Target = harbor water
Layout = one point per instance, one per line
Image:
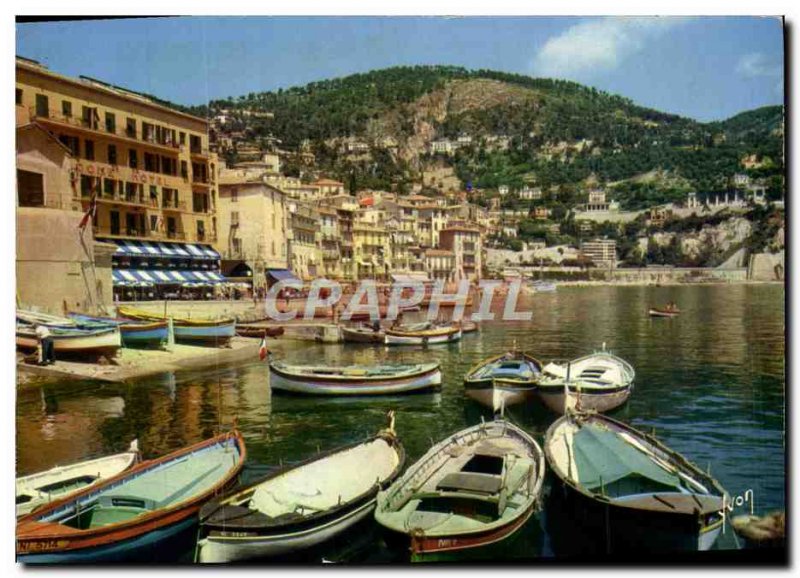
(709, 382)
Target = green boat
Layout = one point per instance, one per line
(468, 497)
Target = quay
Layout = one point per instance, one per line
(132, 363)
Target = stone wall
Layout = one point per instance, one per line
(766, 267)
(55, 265)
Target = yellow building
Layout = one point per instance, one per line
(253, 229)
(305, 255)
(371, 251)
(147, 165)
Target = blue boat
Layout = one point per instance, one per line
(203, 331)
(134, 333)
(135, 514)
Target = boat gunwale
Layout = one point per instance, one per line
(425, 370)
(675, 458)
(469, 379)
(627, 367)
(103, 535)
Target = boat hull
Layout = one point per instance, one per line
(494, 393)
(662, 313)
(219, 550)
(354, 336)
(147, 335)
(99, 342)
(552, 396)
(411, 339)
(212, 333)
(600, 528)
(283, 382)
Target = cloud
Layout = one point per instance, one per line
(757, 64)
(598, 45)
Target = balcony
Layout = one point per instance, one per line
(199, 152)
(176, 235)
(93, 127)
(170, 205)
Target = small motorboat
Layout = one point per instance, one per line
(503, 380)
(256, 331)
(544, 286)
(466, 495)
(600, 382)
(134, 333)
(354, 379)
(422, 334)
(629, 491)
(202, 331)
(124, 517)
(664, 311)
(61, 481)
(362, 334)
(303, 505)
(72, 340)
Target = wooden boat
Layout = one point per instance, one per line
(362, 334)
(209, 331)
(600, 382)
(466, 495)
(105, 341)
(258, 331)
(36, 318)
(124, 517)
(468, 327)
(134, 333)
(422, 334)
(503, 380)
(303, 505)
(629, 491)
(61, 481)
(354, 379)
(664, 312)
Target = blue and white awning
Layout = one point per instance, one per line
(129, 248)
(150, 277)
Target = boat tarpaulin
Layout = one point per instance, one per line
(603, 457)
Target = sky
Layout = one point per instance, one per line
(706, 68)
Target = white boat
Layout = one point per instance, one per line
(466, 496)
(106, 340)
(422, 334)
(600, 382)
(354, 379)
(62, 481)
(544, 286)
(298, 507)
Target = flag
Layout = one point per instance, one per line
(262, 349)
(90, 212)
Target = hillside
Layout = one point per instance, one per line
(520, 130)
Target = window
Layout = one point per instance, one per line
(273, 248)
(234, 196)
(201, 230)
(19, 97)
(234, 218)
(132, 160)
(184, 169)
(111, 123)
(148, 132)
(150, 162)
(89, 185)
(30, 189)
(42, 105)
(195, 144)
(114, 218)
(88, 147)
(133, 192)
(171, 228)
(130, 224)
(112, 154)
(90, 117)
(237, 246)
(71, 142)
(153, 222)
(154, 195)
(199, 203)
(169, 166)
(109, 187)
(130, 127)
(183, 138)
(66, 108)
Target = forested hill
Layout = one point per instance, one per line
(521, 130)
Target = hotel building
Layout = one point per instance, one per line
(147, 166)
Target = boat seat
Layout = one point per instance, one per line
(470, 482)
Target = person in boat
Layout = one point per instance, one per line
(671, 306)
(47, 355)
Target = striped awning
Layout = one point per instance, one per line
(149, 277)
(130, 248)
